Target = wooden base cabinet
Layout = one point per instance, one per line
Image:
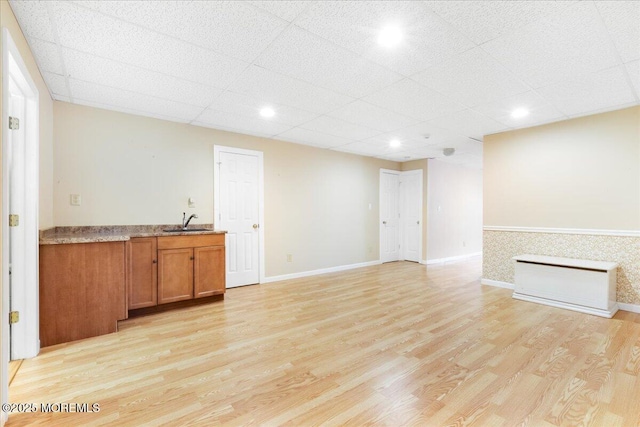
(187, 267)
(142, 274)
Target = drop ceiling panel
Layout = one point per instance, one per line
(34, 19)
(556, 48)
(234, 103)
(633, 69)
(604, 90)
(47, 55)
(410, 98)
(337, 127)
(103, 95)
(355, 25)
(106, 72)
(287, 10)
(482, 21)
(622, 19)
(257, 82)
(472, 78)
(368, 115)
(427, 134)
(134, 45)
(56, 84)
(232, 28)
(540, 110)
(243, 124)
(469, 123)
(313, 138)
(307, 57)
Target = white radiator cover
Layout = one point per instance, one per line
(575, 284)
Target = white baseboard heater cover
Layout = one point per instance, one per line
(575, 284)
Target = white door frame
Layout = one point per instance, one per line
(380, 224)
(15, 70)
(216, 195)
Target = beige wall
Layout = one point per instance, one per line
(415, 165)
(138, 170)
(582, 173)
(8, 20)
(553, 179)
(454, 196)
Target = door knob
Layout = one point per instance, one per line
(418, 222)
(255, 226)
(384, 222)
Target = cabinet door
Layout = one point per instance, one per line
(209, 271)
(143, 273)
(175, 275)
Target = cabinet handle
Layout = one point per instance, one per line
(155, 261)
(191, 258)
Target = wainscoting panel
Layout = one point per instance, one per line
(500, 246)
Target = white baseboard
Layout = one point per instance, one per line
(319, 271)
(450, 259)
(497, 283)
(633, 308)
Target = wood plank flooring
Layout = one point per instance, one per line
(397, 344)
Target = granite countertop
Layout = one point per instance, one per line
(115, 233)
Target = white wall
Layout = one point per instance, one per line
(138, 170)
(454, 203)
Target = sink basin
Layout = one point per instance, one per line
(180, 230)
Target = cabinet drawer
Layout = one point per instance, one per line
(200, 240)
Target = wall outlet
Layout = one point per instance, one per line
(75, 199)
(289, 258)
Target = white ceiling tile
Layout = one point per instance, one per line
(633, 69)
(56, 84)
(287, 10)
(92, 68)
(232, 28)
(234, 103)
(359, 147)
(337, 127)
(137, 46)
(382, 142)
(594, 92)
(471, 78)
(556, 48)
(47, 56)
(469, 123)
(482, 21)
(34, 19)
(103, 95)
(427, 134)
(411, 99)
(368, 115)
(622, 19)
(257, 82)
(311, 137)
(305, 56)
(355, 25)
(540, 110)
(242, 123)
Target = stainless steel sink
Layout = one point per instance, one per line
(180, 230)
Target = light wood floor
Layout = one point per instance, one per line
(397, 344)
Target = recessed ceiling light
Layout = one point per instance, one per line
(519, 113)
(390, 36)
(394, 143)
(267, 112)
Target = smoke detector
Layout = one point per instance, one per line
(448, 151)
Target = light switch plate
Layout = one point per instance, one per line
(75, 200)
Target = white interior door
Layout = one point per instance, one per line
(389, 224)
(20, 198)
(238, 200)
(411, 215)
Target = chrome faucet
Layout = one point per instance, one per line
(185, 222)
